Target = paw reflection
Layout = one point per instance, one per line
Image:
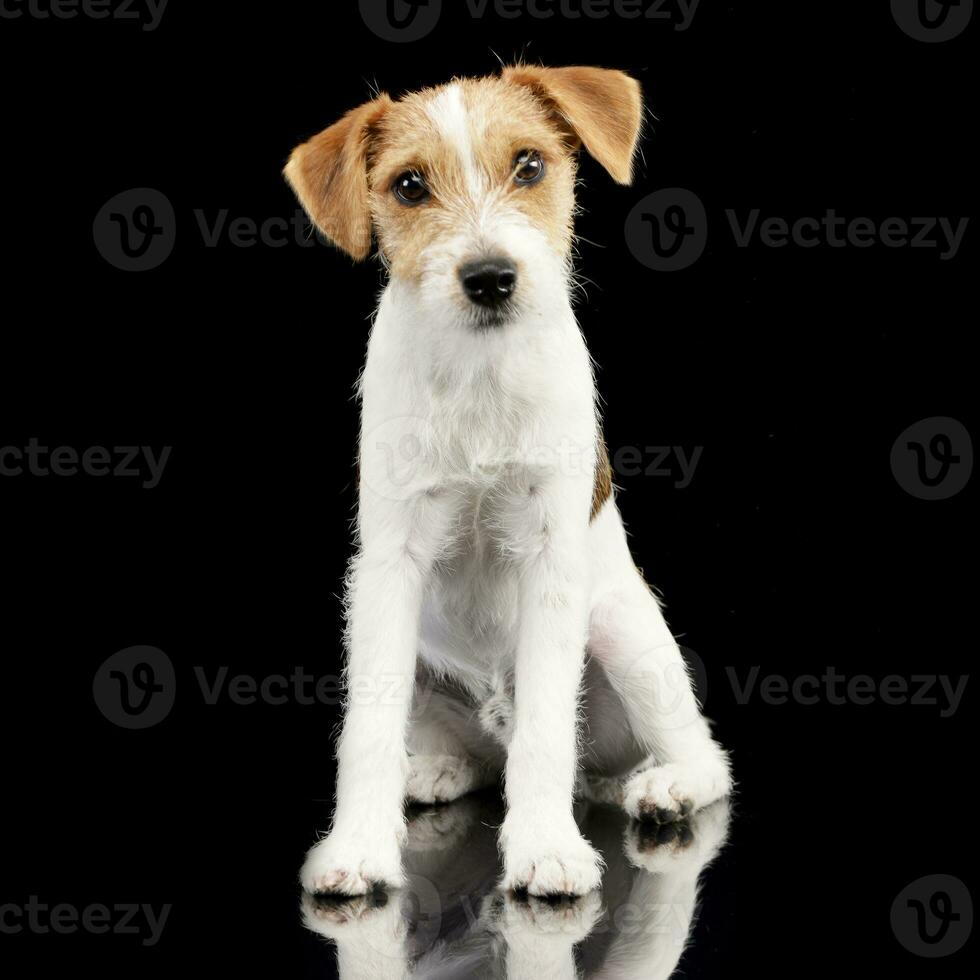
(441, 828)
(452, 920)
(693, 841)
(519, 918)
(339, 910)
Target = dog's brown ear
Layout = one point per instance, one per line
(603, 108)
(329, 175)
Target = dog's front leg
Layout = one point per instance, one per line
(399, 543)
(543, 849)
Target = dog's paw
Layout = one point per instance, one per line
(546, 862)
(668, 793)
(671, 792)
(440, 778)
(345, 865)
(657, 794)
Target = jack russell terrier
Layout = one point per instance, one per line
(496, 622)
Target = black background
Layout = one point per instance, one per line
(793, 548)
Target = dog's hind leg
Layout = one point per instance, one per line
(448, 755)
(686, 769)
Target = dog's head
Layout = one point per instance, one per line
(469, 187)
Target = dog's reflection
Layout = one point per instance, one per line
(450, 922)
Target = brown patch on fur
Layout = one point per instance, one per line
(602, 489)
(344, 175)
(329, 176)
(501, 120)
(602, 107)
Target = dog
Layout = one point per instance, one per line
(497, 625)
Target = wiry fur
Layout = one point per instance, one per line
(491, 554)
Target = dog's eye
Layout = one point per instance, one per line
(528, 167)
(410, 188)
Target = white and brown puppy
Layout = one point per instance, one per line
(492, 571)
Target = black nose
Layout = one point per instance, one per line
(488, 281)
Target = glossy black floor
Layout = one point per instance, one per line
(828, 607)
(451, 921)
